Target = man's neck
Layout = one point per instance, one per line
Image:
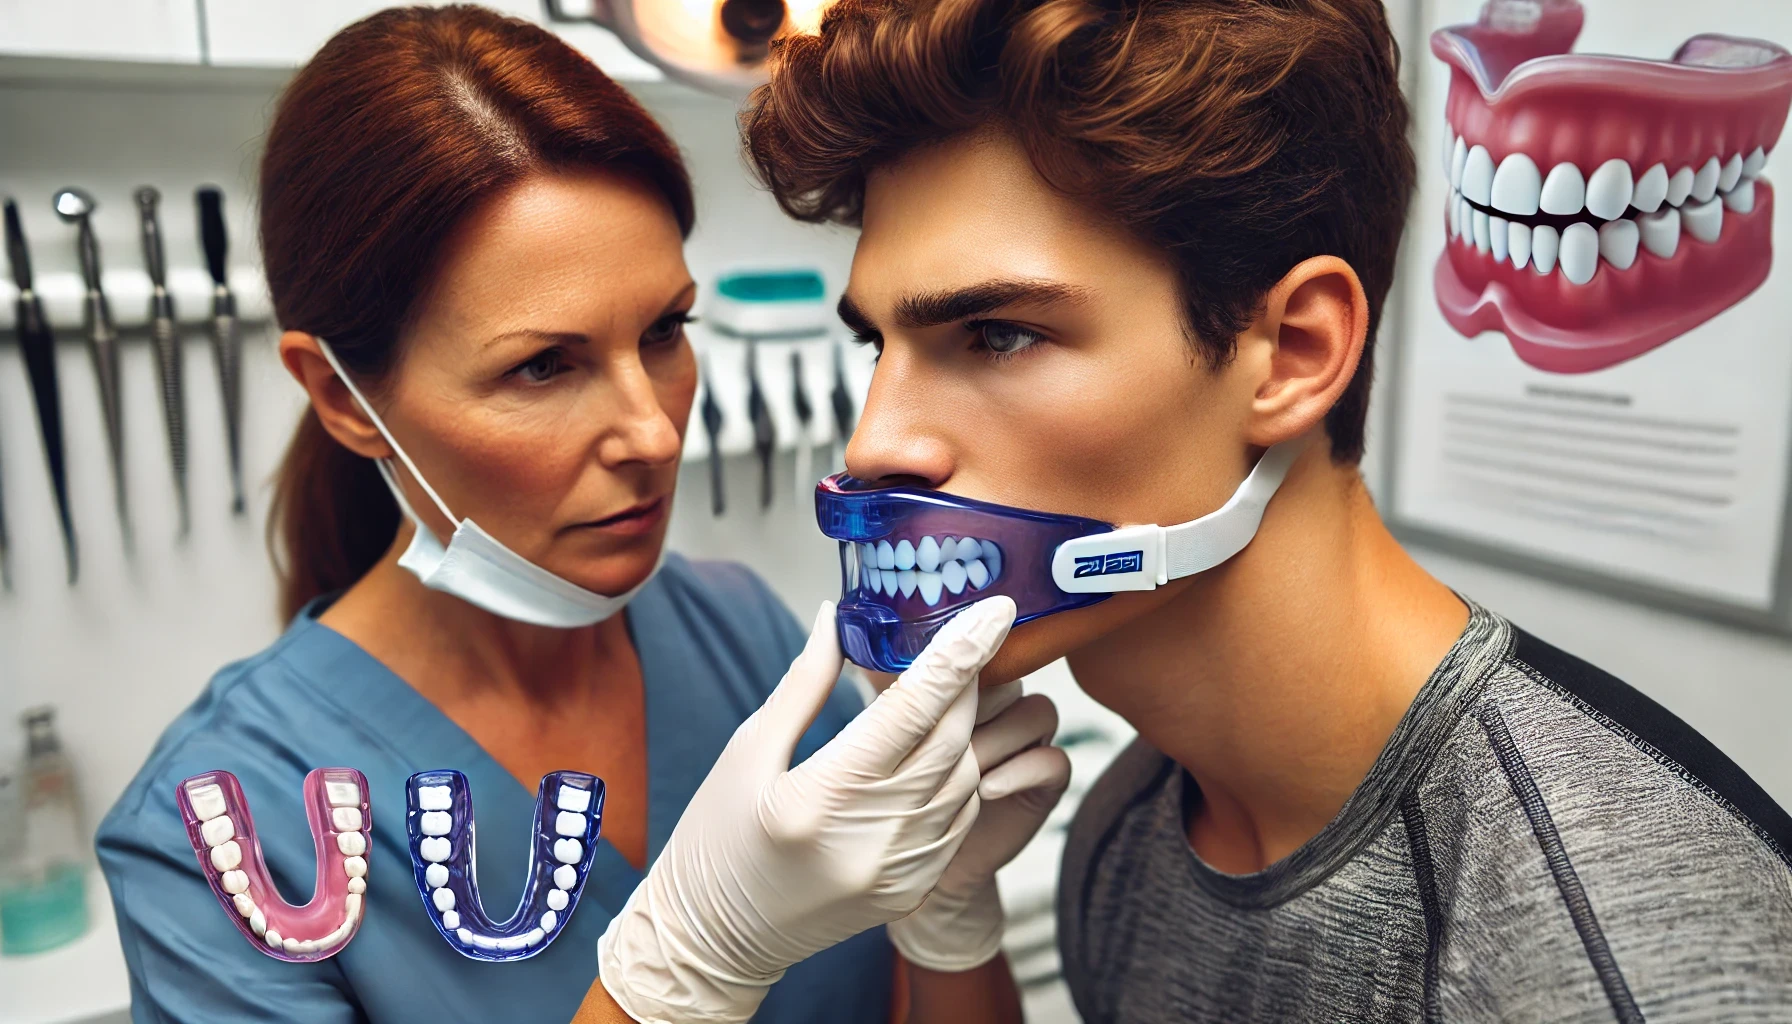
(1277, 678)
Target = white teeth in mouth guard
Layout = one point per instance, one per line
(933, 566)
(439, 817)
(222, 832)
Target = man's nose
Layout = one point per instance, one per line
(901, 438)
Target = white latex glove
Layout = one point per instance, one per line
(959, 926)
(770, 864)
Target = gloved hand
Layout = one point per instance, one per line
(770, 864)
(959, 925)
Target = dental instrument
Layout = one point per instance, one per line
(569, 811)
(5, 544)
(712, 428)
(765, 434)
(76, 207)
(167, 344)
(227, 345)
(37, 343)
(912, 558)
(845, 417)
(805, 414)
(222, 832)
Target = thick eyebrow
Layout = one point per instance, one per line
(931, 309)
(577, 338)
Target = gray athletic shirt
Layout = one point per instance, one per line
(1537, 842)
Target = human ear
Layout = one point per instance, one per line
(336, 408)
(1316, 320)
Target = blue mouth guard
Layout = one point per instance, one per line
(439, 816)
(911, 558)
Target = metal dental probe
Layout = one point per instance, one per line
(765, 435)
(712, 426)
(805, 414)
(841, 398)
(167, 344)
(38, 345)
(227, 345)
(76, 207)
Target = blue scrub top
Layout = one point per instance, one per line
(713, 642)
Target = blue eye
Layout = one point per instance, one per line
(1000, 338)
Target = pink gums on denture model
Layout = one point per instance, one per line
(223, 835)
(1601, 206)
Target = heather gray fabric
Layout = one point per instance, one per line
(1537, 842)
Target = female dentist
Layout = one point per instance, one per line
(474, 241)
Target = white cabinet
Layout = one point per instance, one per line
(142, 30)
(285, 34)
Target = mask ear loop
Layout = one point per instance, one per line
(380, 425)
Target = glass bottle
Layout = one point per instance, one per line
(43, 895)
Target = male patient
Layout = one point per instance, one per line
(1111, 252)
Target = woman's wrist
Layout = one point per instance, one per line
(952, 932)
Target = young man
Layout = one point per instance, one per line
(1110, 253)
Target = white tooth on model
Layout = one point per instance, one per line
(977, 573)
(1731, 174)
(436, 875)
(1564, 191)
(435, 823)
(1661, 232)
(1546, 244)
(433, 849)
(443, 899)
(868, 555)
(1753, 164)
(905, 555)
(1609, 190)
(968, 549)
(356, 867)
(1477, 177)
(566, 823)
(1496, 235)
(548, 920)
(565, 876)
(992, 559)
(1467, 215)
(1481, 240)
(557, 899)
(1458, 161)
(351, 844)
(574, 799)
(886, 555)
(929, 584)
(1580, 253)
(953, 575)
(927, 555)
(1741, 199)
(1704, 221)
(244, 905)
(346, 819)
(360, 884)
(948, 549)
(258, 922)
(1519, 242)
(217, 831)
(1680, 186)
(905, 581)
(451, 919)
(207, 801)
(1449, 148)
(1617, 243)
(272, 938)
(342, 794)
(234, 882)
(890, 583)
(568, 851)
(1651, 189)
(1704, 183)
(1455, 213)
(1517, 185)
(227, 856)
(434, 798)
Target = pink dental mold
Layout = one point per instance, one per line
(1601, 206)
(223, 835)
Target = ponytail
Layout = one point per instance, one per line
(332, 517)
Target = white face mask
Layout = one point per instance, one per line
(475, 566)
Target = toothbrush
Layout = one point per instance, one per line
(38, 345)
(76, 207)
(167, 343)
(227, 346)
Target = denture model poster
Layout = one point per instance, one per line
(1594, 362)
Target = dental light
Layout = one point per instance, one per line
(715, 45)
(911, 558)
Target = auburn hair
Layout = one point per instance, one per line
(1240, 137)
(402, 125)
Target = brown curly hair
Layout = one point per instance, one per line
(1238, 136)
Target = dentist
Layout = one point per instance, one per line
(474, 243)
